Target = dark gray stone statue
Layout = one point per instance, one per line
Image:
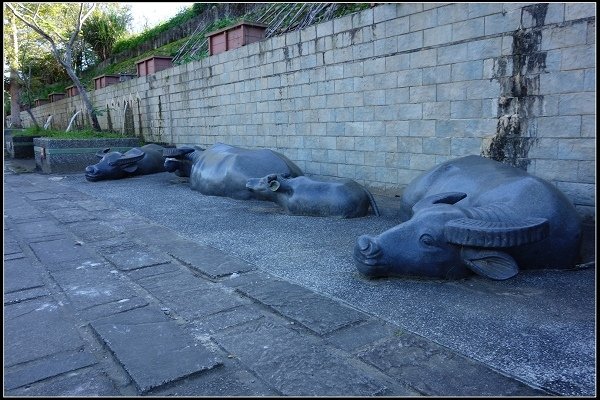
(476, 215)
(223, 170)
(143, 160)
(302, 195)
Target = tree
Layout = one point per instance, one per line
(12, 59)
(104, 27)
(59, 24)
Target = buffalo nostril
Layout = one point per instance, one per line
(367, 245)
(90, 169)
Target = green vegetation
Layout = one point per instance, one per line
(149, 34)
(58, 134)
(185, 50)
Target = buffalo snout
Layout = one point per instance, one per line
(368, 257)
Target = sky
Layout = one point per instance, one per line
(151, 14)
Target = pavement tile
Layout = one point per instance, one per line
(92, 286)
(223, 381)
(434, 370)
(41, 228)
(81, 383)
(20, 274)
(156, 235)
(26, 294)
(93, 231)
(12, 248)
(189, 295)
(295, 364)
(318, 313)
(226, 319)
(153, 270)
(41, 195)
(94, 205)
(207, 260)
(38, 370)
(136, 257)
(152, 348)
(355, 337)
(61, 251)
(37, 328)
(72, 215)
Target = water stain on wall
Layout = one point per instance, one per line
(519, 100)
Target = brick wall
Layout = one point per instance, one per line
(383, 94)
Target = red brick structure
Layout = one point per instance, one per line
(235, 36)
(153, 64)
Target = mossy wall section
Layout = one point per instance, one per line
(73, 155)
(383, 94)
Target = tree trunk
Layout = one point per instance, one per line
(15, 100)
(84, 96)
(15, 88)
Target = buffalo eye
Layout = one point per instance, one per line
(427, 239)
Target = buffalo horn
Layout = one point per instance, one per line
(445, 198)
(102, 153)
(474, 232)
(133, 156)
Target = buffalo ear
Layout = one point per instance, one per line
(490, 263)
(102, 153)
(274, 185)
(131, 168)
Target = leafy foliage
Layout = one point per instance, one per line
(102, 30)
(58, 134)
(135, 41)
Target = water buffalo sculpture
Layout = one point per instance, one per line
(223, 170)
(474, 214)
(302, 195)
(143, 160)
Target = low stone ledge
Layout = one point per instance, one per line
(73, 155)
(19, 146)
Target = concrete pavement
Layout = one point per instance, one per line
(144, 287)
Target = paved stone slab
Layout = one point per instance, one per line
(35, 329)
(72, 215)
(156, 235)
(20, 274)
(62, 253)
(153, 349)
(226, 319)
(356, 336)
(41, 228)
(94, 205)
(97, 291)
(434, 370)
(207, 260)
(11, 248)
(14, 256)
(41, 195)
(77, 384)
(190, 296)
(227, 381)
(26, 294)
(316, 312)
(93, 231)
(38, 370)
(154, 270)
(53, 204)
(136, 257)
(294, 364)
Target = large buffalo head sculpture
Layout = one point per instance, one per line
(137, 161)
(508, 221)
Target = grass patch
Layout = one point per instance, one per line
(58, 134)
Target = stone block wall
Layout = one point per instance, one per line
(381, 95)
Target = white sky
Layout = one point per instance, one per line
(153, 13)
